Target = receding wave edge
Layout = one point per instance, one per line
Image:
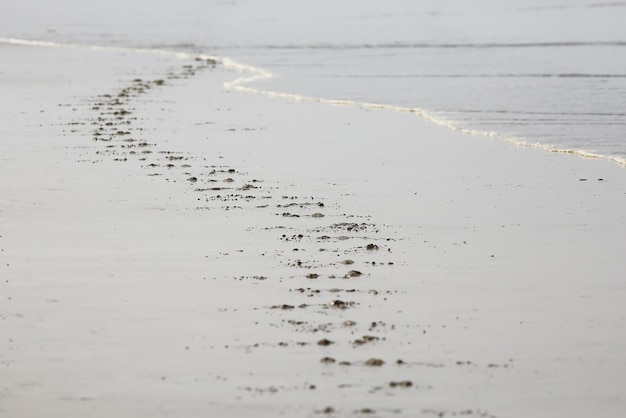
(255, 74)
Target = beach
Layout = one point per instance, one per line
(174, 246)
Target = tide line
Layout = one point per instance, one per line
(257, 74)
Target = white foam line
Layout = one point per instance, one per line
(257, 74)
(48, 44)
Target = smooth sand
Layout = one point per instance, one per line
(138, 280)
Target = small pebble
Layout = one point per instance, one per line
(375, 362)
(402, 384)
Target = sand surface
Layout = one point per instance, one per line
(172, 248)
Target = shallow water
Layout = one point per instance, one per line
(544, 73)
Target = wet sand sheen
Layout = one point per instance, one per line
(211, 252)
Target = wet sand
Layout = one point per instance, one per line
(172, 248)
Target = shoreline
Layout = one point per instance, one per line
(193, 293)
(259, 74)
(240, 85)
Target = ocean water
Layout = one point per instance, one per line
(546, 73)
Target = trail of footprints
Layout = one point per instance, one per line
(334, 258)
